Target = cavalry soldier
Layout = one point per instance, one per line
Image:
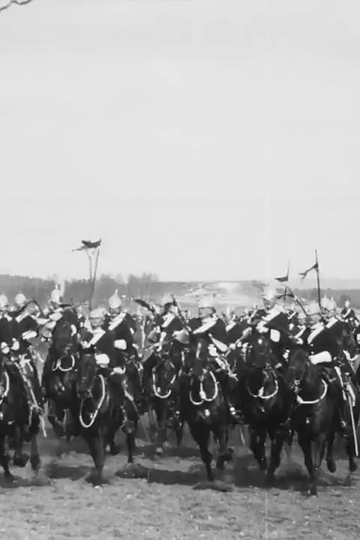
(119, 323)
(324, 349)
(213, 329)
(107, 358)
(169, 322)
(272, 320)
(348, 313)
(14, 346)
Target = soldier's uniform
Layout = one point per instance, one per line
(273, 321)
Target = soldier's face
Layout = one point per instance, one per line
(269, 303)
(96, 322)
(114, 311)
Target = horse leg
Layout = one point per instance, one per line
(97, 452)
(20, 458)
(34, 454)
(330, 462)
(5, 459)
(179, 434)
(257, 446)
(161, 409)
(56, 417)
(130, 443)
(277, 442)
(313, 454)
(200, 433)
(225, 453)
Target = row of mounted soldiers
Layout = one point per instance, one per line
(113, 335)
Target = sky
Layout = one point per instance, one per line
(199, 140)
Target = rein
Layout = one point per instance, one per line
(158, 389)
(261, 394)
(93, 415)
(58, 365)
(202, 394)
(6, 388)
(314, 401)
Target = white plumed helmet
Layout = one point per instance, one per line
(55, 296)
(206, 302)
(115, 300)
(20, 300)
(270, 294)
(3, 301)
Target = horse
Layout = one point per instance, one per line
(161, 387)
(59, 378)
(263, 399)
(203, 405)
(315, 414)
(100, 412)
(18, 422)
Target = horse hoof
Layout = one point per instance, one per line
(21, 460)
(331, 465)
(313, 491)
(35, 462)
(41, 480)
(159, 451)
(9, 478)
(133, 470)
(115, 449)
(352, 466)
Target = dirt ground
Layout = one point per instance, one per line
(173, 502)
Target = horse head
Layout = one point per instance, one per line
(65, 338)
(298, 363)
(86, 375)
(164, 374)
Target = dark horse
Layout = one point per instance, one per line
(204, 406)
(17, 420)
(60, 378)
(162, 391)
(263, 399)
(100, 411)
(315, 414)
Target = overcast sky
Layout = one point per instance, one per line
(200, 140)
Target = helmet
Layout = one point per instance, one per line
(332, 305)
(270, 294)
(166, 299)
(20, 300)
(206, 302)
(115, 300)
(347, 303)
(325, 303)
(3, 301)
(55, 296)
(98, 313)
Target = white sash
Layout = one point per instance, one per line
(115, 322)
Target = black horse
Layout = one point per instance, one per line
(263, 399)
(18, 422)
(203, 405)
(162, 373)
(101, 413)
(316, 413)
(59, 379)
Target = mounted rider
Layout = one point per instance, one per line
(54, 312)
(212, 329)
(348, 314)
(273, 321)
(15, 335)
(107, 357)
(323, 346)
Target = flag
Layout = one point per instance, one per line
(284, 279)
(313, 267)
(88, 244)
